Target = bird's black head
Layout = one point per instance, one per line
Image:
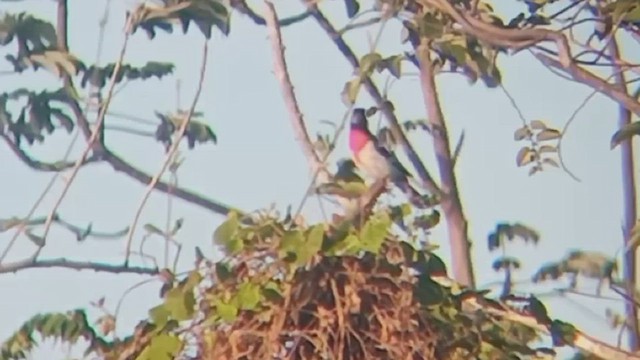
(359, 119)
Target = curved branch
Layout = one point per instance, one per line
(41, 165)
(587, 78)
(518, 39)
(121, 165)
(33, 263)
(242, 7)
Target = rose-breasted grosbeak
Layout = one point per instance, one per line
(376, 161)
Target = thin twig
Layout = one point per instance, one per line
(38, 165)
(54, 178)
(32, 263)
(174, 147)
(94, 134)
(317, 165)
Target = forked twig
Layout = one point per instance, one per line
(170, 154)
(94, 134)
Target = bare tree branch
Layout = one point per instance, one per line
(40, 165)
(121, 165)
(629, 198)
(242, 7)
(289, 96)
(588, 78)
(456, 222)
(32, 263)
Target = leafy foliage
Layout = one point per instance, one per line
(589, 264)
(98, 76)
(539, 152)
(197, 131)
(509, 232)
(67, 327)
(305, 280)
(321, 282)
(37, 47)
(42, 109)
(204, 13)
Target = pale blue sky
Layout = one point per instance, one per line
(257, 162)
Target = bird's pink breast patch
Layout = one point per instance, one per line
(357, 140)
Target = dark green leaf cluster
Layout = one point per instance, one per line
(37, 45)
(204, 13)
(509, 232)
(197, 130)
(42, 112)
(454, 48)
(66, 327)
(99, 76)
(589, 264)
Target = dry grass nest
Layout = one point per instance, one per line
(381, 306)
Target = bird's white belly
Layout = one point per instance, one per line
(371, 163)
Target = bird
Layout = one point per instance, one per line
(376, 161)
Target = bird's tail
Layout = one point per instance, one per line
(415, 198)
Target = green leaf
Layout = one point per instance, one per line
(427, 291)
(162, 347)
(63, 119)
(525, 156)
(248, 296)
(547, 149)
(427, 221)
(430, 26)
(394, 65)
(226, 311)
(198, 132)
(625, 133)
(521, 133)
(227, 234)
(152, 229)
(313, 244)
(633, 15)
(291, 244)
(350, 91)
(349, 245)
(159, 315)
(563, 333)
(352, 8)
(374, 232)
(180, 304)
(537, 125)
(271, 291)
(455, 49)
(223, 271)
(548, 134)
(368, 63)
(505, 262)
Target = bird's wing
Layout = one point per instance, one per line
(393, 161)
